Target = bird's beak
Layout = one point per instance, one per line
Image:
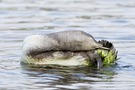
(99, 64)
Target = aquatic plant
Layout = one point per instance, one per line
(108, 57)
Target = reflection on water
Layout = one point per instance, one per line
(68, 78)
(113, 20)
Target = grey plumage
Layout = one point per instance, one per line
(62, 45)
(74, 41)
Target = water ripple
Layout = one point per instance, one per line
(112, 20)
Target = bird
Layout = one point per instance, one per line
(67, 48)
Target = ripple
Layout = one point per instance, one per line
(112, 20)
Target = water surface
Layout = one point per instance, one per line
(113, 20)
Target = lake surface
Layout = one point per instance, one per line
(112, 20)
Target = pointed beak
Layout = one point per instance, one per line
(99, 64)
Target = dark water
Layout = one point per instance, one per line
(113, 20)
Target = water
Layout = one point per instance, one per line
(113, 20)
